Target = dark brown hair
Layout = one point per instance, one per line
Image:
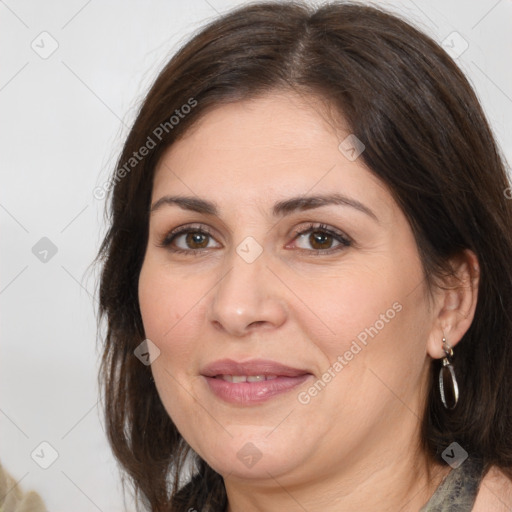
(426, 138)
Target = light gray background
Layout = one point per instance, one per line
(63, 119)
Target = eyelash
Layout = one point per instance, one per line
(311, 227)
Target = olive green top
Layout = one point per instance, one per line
(457, 492)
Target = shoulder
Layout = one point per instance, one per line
(495, 492)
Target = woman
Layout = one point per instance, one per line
(307, 274)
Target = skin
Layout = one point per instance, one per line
(355, 445)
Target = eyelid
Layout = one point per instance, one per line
(320, 226)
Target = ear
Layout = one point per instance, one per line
(455, 303)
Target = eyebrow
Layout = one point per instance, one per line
(280, 208)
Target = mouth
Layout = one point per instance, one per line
(245, 378)
(251, 382)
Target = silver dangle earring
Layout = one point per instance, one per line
(450, 393)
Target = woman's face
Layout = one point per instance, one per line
(295, 268)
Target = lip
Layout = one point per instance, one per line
(251, 367)
(285, 378)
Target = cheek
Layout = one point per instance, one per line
(170, 309)
(357, 304)
(373, 322)
(166, 300)
(173, 309)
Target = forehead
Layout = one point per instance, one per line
(276, 123)
(277, 145)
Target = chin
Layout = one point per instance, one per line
(253, 456)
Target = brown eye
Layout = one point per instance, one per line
(189, 240)
(196, 240)
(320, 239)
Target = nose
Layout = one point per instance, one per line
(247, 298)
